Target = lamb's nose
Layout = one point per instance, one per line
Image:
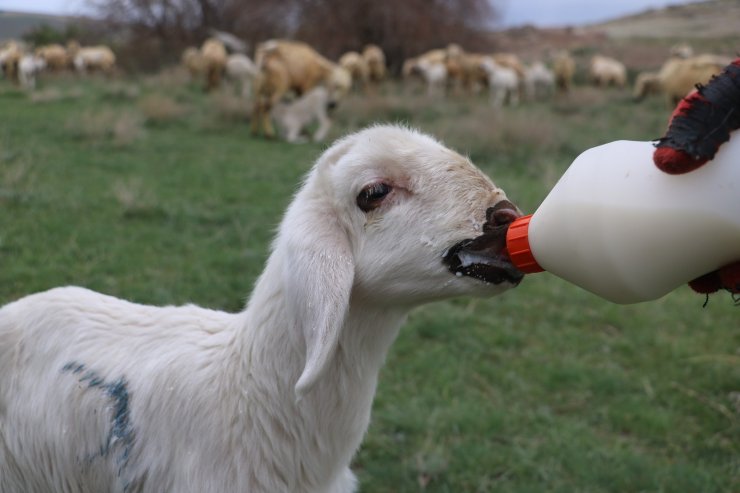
(504, 212)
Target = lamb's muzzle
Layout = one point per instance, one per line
(485, 257)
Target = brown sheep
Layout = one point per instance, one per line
(55, 56)
(192, 60)
(564, 68)
(357, 66)
(646, 83)
(287, 66)
(10, 57)
(605, 71)
(214, 56)
(375, 59)
(679, 76)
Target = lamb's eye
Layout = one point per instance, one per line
(372, 196)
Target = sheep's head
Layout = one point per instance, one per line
(389, 217)
(421, 222)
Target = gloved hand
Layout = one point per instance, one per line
(699, 125)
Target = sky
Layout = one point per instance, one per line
(543, 13)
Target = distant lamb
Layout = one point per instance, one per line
(293, 117)
(98, 394)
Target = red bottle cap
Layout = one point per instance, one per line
(517, 243)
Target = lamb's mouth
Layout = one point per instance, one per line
(485, 257)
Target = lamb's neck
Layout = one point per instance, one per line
(272, 338)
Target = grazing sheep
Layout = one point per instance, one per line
(214, 56)
(432, 73)
(646, 83)
(357, 66)
(28, 67)
(679, 76)
(459, 76)
(287, 66)
(94, 59)
(539, 81)
(375, 60)
(411, 68)
(55, 56)
(292, 117)
(605, 72)
(10, 57)
(564, 68)
(98, 394)
(241, 70)
(503, 83)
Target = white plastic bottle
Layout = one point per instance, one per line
(617, 226)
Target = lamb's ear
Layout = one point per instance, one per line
(318, 276)
(319, 273)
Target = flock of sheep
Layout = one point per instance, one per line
(292, 84)
(21, 65)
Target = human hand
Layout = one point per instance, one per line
(699, 125)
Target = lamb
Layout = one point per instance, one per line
(292, 66)
(100, 394)
(293, 117)
(242, 71)
(606, 71)
(539, 81)
(28, 67)
(503, 83)
(430, 67)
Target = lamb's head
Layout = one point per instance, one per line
(417, 221)
(389, 217)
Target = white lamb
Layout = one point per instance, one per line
(292, 117)
(28, 67)
(98, 394)
(242, 71)
(539, 81)
(435, 76)
(503, 83)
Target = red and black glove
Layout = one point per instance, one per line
(699, 125)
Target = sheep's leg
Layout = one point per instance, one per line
(514, 97)
(324, 126)
(255, 123)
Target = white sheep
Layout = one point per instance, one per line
(605, 71)
(94, 58)
(503, 83)
(242, 71)
(433, 73)
(98, 394)
(28, 67)
(292, 117)
(539, 81)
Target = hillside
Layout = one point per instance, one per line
(642, 40)
(708, 19)
(14, 24)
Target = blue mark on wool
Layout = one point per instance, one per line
(121, 433)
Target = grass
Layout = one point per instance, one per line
(547, 388)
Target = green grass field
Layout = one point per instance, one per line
(149, 190)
